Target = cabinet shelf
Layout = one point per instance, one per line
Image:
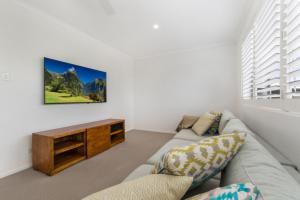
(116, 132)
(66, 146)
(67, 161)
(115, 142)
(117, 138)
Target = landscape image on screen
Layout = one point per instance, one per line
(68, 83)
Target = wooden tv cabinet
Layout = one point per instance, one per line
(54, 150)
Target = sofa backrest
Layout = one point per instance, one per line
(279, 128)
(235, 125)
(255, 164)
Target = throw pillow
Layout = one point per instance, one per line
(187, 122)
(226, 117)
(147, 188)
(203, 123)
(202, 160)
(214, 128)
(239, 191)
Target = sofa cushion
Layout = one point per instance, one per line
(202, 160)
(188, 134)
(239, 191)
(141, 171)
(274, 152)
(187, 122)
(149, 187)
(238, 125)
(293, 172)
(204, 123)
(226, 117)
(169, 145)
(214, 128)
(254, 164)
(217, 177)
(235, 125)
(208, 185)
(145, 169)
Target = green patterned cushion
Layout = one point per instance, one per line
(239, 191)
(214, 128)
(202, 160)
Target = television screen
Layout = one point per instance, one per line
(68, 83)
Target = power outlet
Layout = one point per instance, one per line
(5, 76)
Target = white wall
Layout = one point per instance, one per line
(26, 36)
(187, 82)
(268, 118)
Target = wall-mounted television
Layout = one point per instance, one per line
(68, 83)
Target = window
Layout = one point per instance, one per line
(267, 51)
(270, 53)
(291, 45)
(248, 66)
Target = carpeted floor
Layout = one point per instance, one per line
(102, 171)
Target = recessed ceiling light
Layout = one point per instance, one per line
(155, 26)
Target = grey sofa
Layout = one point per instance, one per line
(257, 162)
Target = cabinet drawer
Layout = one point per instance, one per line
(98, 140)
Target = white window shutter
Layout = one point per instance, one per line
(292, 47)
(267, 33)
(248, 66)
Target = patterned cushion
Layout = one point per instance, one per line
(202, 160)
(203, 123)
(239, 191)
(214, 128)
(149, 187)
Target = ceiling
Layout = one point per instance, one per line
(128, 25)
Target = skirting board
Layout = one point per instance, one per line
(14, 171)
(157, 131)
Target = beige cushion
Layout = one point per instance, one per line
(149, 187)
(203, 123)
(187, 122)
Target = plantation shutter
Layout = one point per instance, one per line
(267, 51)
(248, 66)
(292, 47)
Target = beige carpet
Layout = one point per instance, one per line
(104, 170)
